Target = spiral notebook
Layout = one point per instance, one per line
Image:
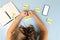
(7, 13)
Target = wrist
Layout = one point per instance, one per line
(34, 16)
(20, 16)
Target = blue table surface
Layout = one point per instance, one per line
(54, 14)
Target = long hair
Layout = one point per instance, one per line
(24, 33)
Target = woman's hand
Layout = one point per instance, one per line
(31, 13)
(23, 14)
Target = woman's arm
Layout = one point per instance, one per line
(43, 29)
(14, 25)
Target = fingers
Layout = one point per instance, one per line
(30, 12)
(27, 13)
(24, 12)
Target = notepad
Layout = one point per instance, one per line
(11, 10)
(3, 17)
(25, 6)
(37, 9)
(28, 17)
(7, 13)
(49, 21)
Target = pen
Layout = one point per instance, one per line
(7, 14)
(8, 22)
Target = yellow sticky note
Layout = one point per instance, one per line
(49, 21)
(25, 6)
(28, 17)
(37, 9)
(13, 15)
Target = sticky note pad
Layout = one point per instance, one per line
(37, 9)
(45, 11)
(25, 6)
(28, 17)
(49, 21)
(13, 15)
